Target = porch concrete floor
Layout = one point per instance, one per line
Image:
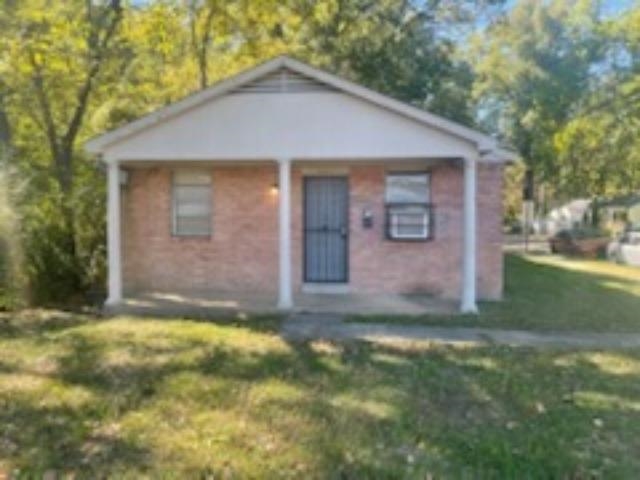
(209, 304)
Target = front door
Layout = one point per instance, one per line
(326, 229)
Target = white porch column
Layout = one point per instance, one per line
(468, 304)
(285, 296)
(113, 234)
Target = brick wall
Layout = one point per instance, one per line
(489, 233)
(378, 264)
(241, 255)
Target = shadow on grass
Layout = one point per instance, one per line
(488, 412)
(16, 324)
(329, 410)
(265, 323)
(40, 438)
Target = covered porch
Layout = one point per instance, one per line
(282, 185)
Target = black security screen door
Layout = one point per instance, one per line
(326, 229)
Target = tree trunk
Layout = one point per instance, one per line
(5, 129)
(64, 171)
(200, 46)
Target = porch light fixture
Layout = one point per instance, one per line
(274, 188)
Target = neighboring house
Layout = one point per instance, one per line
(571, 215)
(620, 213)
(286, 178)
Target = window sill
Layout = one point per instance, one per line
(408, 240)
(202, 238)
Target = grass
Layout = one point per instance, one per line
(552, 293)
(131, 398)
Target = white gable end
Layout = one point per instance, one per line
(285, 108)
(303, 124)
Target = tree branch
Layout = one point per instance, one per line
(204, 47)
(97, 62)
(45, 107)
(200, 46)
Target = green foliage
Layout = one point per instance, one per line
(531, 67)
(66, 263)
(512, 200)
(57, 62)
(599, 147)
(11, 278)
(561, 82)
(396, 48)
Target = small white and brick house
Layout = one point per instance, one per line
(286, 179)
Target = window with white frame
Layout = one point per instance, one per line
(191, 196)
(408, 205)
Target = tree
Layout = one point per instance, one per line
(51, 61)
(599, 148)
(42, 58)
(400, 48)
(533, 66)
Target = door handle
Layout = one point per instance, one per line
(343, 231)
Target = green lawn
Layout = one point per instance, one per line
(131, 397)
(550, 292)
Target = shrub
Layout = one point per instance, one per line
(11, 276)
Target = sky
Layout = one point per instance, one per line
(612, 7)
(609, 7)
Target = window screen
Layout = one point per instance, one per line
(192, 203)
(408, 206)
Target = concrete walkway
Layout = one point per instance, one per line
(332, 327)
